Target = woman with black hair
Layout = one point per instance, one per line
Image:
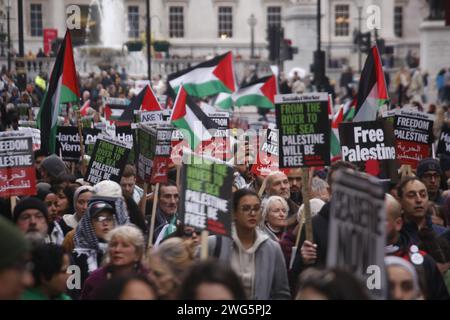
(211, 280)
(257, 259)
(333, 284)
(50, 265)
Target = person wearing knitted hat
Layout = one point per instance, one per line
(52, 167)
(14, 276)
(31, 217)
(429, 171)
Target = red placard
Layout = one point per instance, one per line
(410, 152)
(49, 36)
(17, 181)
(159, 170)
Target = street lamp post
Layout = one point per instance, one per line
(147, 38)
(8, 31)
(359, 37)
(252, 23)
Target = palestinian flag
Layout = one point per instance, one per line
(335, 150)
(145, 100)
(191, 120)
(207, 78)
(260, 93)
(223, 101)
(114, 109)
(372, 91)
(62, 88)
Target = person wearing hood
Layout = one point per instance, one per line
(256, 258)
(403, 279)
(81, 197)
(90, 235)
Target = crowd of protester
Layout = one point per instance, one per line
(102, 230)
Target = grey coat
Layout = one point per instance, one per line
(271, 281)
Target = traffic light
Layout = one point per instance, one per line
(274, 38)
(365, 42)
(287, 50)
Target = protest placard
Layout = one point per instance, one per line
(356, 240)
(35, 135)
(68, 143)
(108, 159)
(146, 152)
(205, 197)
(89, 138)
(17, 171)
(162, 153)
(304, 130)
(414, 135)
(371, 146)
(267, 157)
(444, 141)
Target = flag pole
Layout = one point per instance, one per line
(204, 245)
(80, 133)
(307, 208)
(152, 223)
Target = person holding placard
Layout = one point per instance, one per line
(256, 258)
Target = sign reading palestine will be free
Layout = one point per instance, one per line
(108, 160)
(304, 130)
(205, 202)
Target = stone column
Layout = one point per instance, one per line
(301, 27)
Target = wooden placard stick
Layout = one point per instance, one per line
(307, 208)
(204, 245)
(262, 188)
(80, 133)
(13, 200)
(153, 220)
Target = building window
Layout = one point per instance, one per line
(133, 21)
(176, 22)
(398, 21)
(273, 17)
(342, 20)
(36, 20)
(225, 22)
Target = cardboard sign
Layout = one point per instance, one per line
(444, 141)
(146, 152)
(414, 134)
(17, 171)
(357, 227)
(205, 200)
(68, 143)
(304, 129)
(162, 154)
(267, 157)
(35, 135)
(89, 138)
(108, 160)
(371, 146)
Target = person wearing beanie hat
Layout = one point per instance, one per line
(14, 276)
(445, 165)
(429, 171)
(31, 217)
(52, 167)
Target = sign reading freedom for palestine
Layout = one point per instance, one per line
(205, 202)
(414, 134)
(17, 171)
(370, 145)
(108, 160)
(304, 129)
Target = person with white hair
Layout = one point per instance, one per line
(402, 279)
(274, 214)
(125, 250)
